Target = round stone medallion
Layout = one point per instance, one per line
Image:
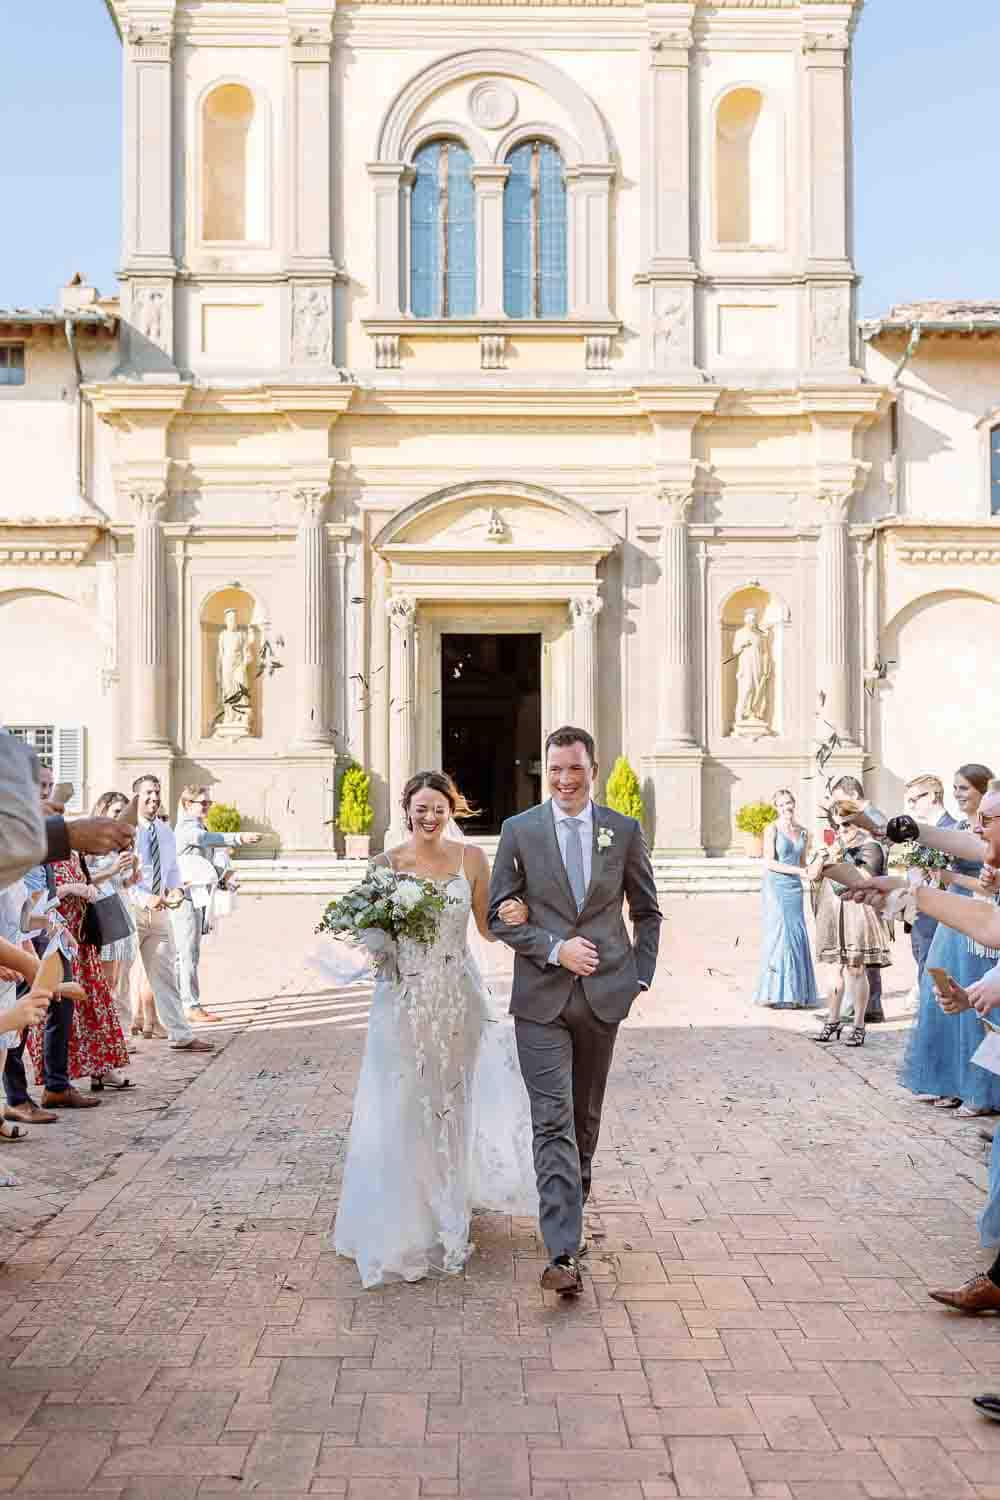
(492, 104)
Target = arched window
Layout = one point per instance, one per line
(234, 176)
(534, 233)
(748, 186)
(995, 471)
(443, 232)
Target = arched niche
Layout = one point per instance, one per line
(753, 626)
(748, 181)
(234, 178)
(233, 625)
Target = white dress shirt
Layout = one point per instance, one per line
(170, 876)
(586, 818)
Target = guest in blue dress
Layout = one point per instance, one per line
(938, 1062)
(787, 979)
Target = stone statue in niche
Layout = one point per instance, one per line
(235, 668)
(148, 309)
(754, 669)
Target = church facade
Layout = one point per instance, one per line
(483, 367)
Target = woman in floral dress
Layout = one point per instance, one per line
(97, 1043)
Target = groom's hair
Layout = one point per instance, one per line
(569, 735)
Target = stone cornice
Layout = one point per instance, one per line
(119, 402)
(46, 541)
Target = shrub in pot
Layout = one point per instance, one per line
(752, 819)
(356, 814)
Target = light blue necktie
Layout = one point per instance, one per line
(574, 861)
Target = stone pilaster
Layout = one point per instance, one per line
(389, 179)
(402, 612)
(833, 603)
(311, 582)
(588, 191)
(489, 183)
(678, 656)
(149, 660)
(583, 613)
(309, 137)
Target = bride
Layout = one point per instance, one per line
(441, 1122)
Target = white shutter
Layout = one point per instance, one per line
(68, 763)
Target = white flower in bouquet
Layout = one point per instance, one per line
(409, 894)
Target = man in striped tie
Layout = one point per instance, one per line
(158, 887)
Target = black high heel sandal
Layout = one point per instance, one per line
(830, 1033)
(856, 1038)
(100, 1083)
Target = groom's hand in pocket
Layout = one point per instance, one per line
(579, 956)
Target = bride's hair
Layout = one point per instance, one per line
(436, 781)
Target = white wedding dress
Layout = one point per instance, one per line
(441, 1122)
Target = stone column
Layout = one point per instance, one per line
(489, 183)
(833, 601)
(583, 613)
(149, 594)
(311, 583)
(402, 612)
(678, 655)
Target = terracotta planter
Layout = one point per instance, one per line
(357, 845)
(753, 845)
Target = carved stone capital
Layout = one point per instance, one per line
(676, 500)
(310, 500)
(309, 41)
(825, 41)
(150, 41)
(148, 502)
(584, 610)
(835, 501)
(402, 612)
(665, 42)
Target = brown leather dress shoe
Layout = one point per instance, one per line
(979, 1294)
(29, 1113)
(70, 1098)
(562, 1275)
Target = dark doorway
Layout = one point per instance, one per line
(491, 722)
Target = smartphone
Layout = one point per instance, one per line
(62, 793)
(130, 814)
(946, 986)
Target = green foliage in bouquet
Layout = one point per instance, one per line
(914, 856)
(223, 817)
(754, 817)
(356, 814)
(400, 905)
(623, 793)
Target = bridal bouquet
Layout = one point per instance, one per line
(371, 917)
(914, 856)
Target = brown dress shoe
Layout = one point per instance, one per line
(70, 1098)
(29, 1113)
(979, 1294)
(562, 1275)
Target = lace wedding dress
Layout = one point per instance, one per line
(441, 1122)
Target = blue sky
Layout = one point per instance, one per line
(928, 224)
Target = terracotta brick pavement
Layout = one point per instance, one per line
(766, 1220)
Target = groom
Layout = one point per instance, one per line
(576, 974)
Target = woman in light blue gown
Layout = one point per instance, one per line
(938, 1062)
(787, 979)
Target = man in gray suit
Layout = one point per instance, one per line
(924, 800)
(576, 973)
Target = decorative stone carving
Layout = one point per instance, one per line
(149, 41)
(386, 351)
(402, 612)
(825, 41)
(752, 649)
(673, 41)
(926, 553)
(676, 500)
(492, 104)
(830, 326)
(311, 499)
(497, 529)
(312, 325)
(670, 328)
(598, 351)
(149, 314)
(493, 351)
(584, 609)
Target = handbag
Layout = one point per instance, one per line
(105, 921)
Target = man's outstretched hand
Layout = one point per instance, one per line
(99, 835)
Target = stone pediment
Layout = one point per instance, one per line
(496, 519)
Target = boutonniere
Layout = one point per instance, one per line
(605, 838)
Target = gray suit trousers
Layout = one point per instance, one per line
(565, 1065)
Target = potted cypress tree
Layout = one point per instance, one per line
(356, 814)
(623, 793)
(751, 819)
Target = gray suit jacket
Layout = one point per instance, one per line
(529, 865)
(23, 841)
